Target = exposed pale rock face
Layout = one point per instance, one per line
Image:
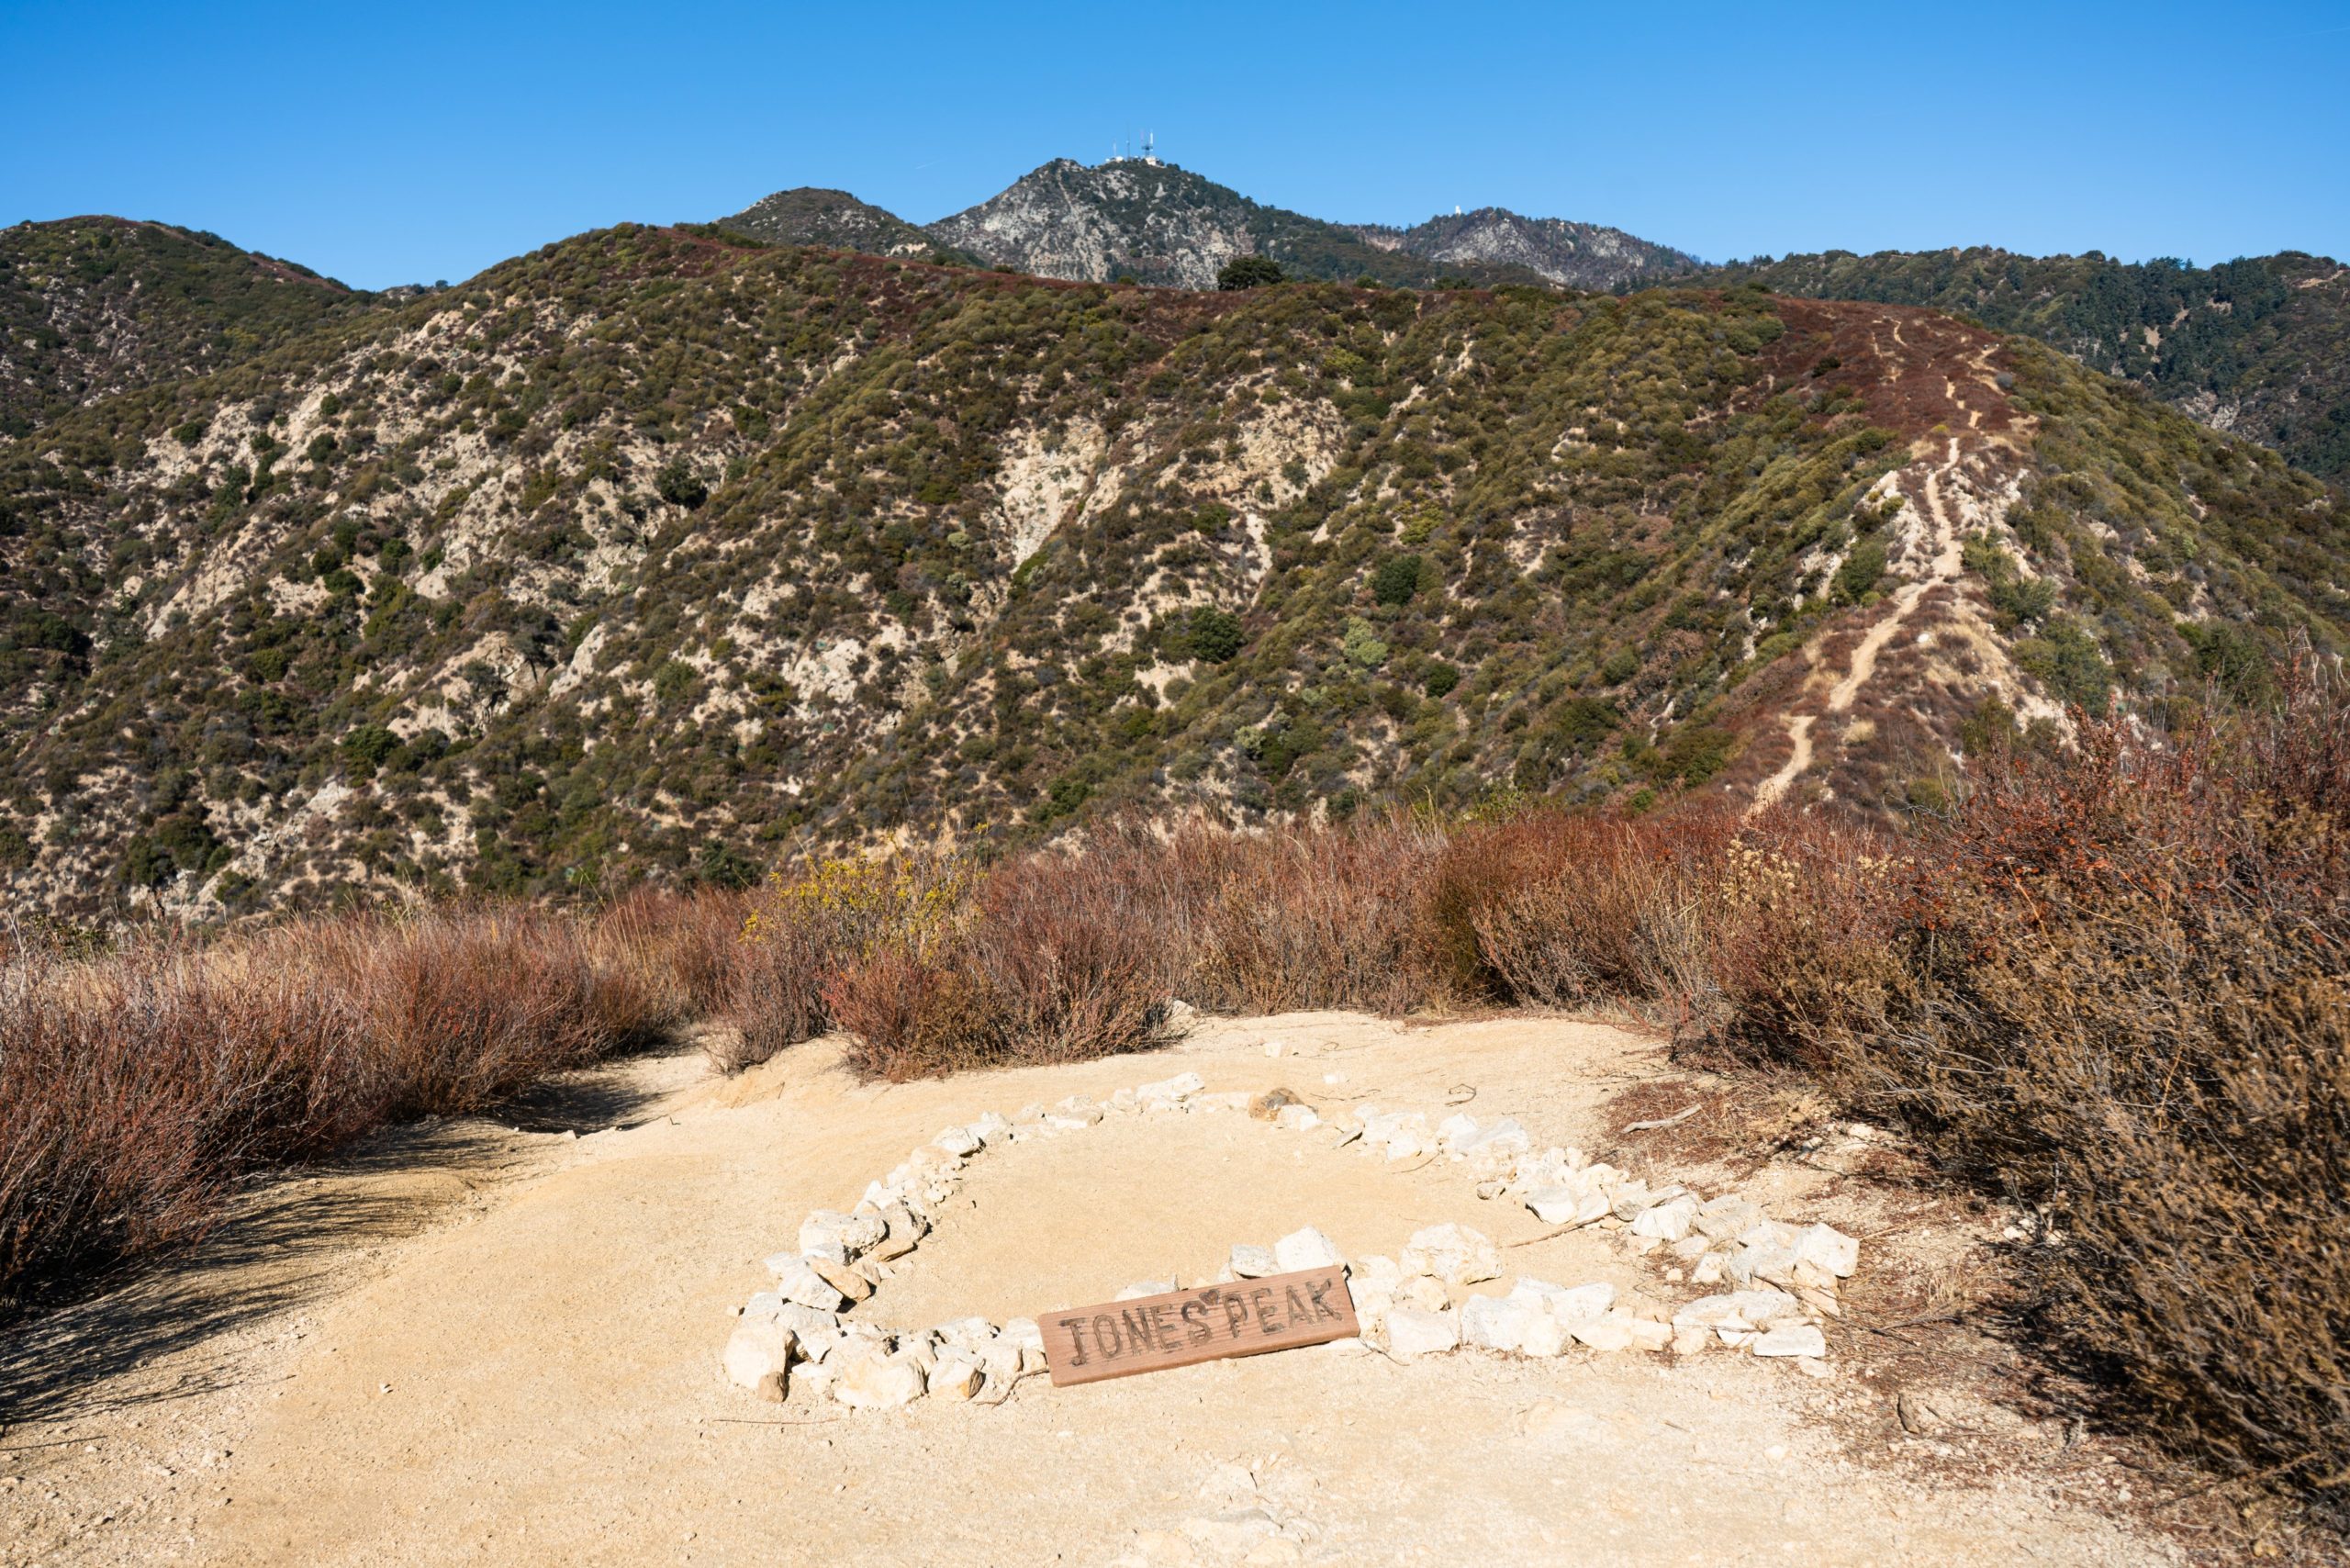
(839, 1236)
(796, 1280)
(1580, 255)
(1794, 1339)
(1156, 223)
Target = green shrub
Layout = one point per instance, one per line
(1214, 637)
(1396, 580)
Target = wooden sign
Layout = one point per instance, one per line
(1151, 1333)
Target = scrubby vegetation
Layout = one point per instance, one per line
(139, 1087)
(653, 552)
(2107, 984)
(93, 306)
(2260, 345)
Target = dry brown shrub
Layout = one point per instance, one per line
(1312, 917)
(1049, 956)
(1567, 911)
(139, 1087)
(682, 947)
(2117, 987)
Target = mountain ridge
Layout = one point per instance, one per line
(656, 553)
(2259, 345)
(95, 305)
(1155, 222)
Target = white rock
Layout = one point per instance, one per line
(757, 1357)
(1602, 1333)
(1412, 1332)
(904, 1232)
(1726, 1217)
(1296, 1119)
(1505, 1137)
(1708, 1271)
(1824, 1246)
(796, 1282)
(871, 1381)
(1769, 1234)
(1251, 1261)
(955, 1376)
(1647, 1333)
(959, 1140)
(843, 1277)
(1141, 1288)
(1667, 1221)
(1021, 1334)
(1455, 1130)
(1544, 1336)
(1792, 1340)
(1765, 1306)
(1498, 1323)
(1568, 1205)
(1453, 1253)
(1378, 1269)
(1708, 1312)
(1307, 1249)
(1182, 1086)
(840, 1343)
(965, 1333)
(1593, 1300)
(988, 1128)
(829, 1233)
(1427, 1294)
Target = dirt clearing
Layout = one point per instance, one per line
(479, 1344)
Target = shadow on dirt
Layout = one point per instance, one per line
(283, 1244)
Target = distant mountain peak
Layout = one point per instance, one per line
(814, 215)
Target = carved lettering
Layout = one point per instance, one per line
(1184, 1326)
(1195, 1321)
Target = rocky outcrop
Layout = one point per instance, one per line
(1579, 255)
(1153, 222)
(809, 215)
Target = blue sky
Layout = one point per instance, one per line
(387, 143)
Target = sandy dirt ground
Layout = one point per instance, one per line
(496, 1342)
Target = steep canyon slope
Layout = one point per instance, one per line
(657, 552)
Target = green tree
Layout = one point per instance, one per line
(1250, 272)
(1215, 635)
(681, 486)
(1396, 580)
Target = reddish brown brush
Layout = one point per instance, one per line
(138, 1088)
(1312, 917)
(2117, 986)
(1047, 957)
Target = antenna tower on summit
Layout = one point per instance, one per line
(1149, 144)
